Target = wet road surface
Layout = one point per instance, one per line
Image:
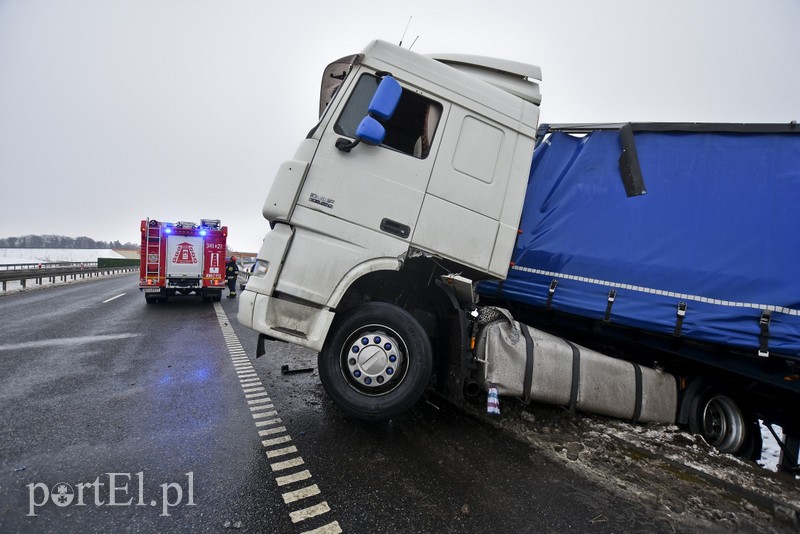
(164, 411)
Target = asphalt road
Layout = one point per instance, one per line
(164, 411)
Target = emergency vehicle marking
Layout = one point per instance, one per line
(184, 254)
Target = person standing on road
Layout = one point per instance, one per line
(231, 274)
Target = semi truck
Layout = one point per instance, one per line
(182, 258)
(429, 233)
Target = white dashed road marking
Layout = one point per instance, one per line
(302, 493)
(113, 298)
(291, 479)
(311, 511)
(261, 409)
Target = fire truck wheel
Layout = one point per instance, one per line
(376, 362)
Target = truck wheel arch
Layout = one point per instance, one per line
(429, 301)
(351, 279)
(385, 280)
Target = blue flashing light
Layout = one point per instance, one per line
(168, 230)
(203, 231)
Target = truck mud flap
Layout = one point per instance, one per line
(521, 361)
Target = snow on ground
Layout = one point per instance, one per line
(685, 484)
(10, 256)
(770, 452)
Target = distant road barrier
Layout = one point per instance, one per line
(47, 265)
(22, 272)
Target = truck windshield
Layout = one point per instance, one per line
(333, 77)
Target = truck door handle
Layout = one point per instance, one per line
(393, 227)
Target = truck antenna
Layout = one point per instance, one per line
(404, 32)
(414, 41)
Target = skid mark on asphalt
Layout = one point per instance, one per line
(285, 461)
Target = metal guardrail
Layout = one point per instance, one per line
(47, 265)
(54, 271)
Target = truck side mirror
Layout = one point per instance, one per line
(384, 101)
(370, 131)
(381, 107)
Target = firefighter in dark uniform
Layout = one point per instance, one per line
(231, 274)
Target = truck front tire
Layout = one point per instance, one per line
(376, 362)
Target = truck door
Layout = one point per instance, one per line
(380, 188)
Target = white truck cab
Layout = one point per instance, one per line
(416, 169)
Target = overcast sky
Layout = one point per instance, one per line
(112, 111)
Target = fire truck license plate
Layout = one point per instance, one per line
(152, 290)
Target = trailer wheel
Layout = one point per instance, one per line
(376, 362)
(722, 423)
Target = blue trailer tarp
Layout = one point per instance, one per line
(717, 232)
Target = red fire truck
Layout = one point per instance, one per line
(182, 258)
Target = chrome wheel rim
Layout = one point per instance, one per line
(374, 360)
(723, 424)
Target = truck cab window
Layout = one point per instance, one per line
(411, 128)
(333, 78)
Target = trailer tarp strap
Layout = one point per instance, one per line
(679, 322)
(576, 376)
(528, 363)
(637, 411)
(612, 295)
(763, 338)
(551, 292)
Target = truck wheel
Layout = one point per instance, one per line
(376, 362)
(717, 417)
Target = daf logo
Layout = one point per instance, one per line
(322, 201)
